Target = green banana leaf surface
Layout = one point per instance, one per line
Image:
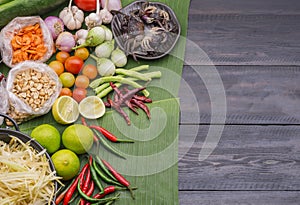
(151, 162)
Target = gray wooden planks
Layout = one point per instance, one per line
(246, 158)
(254, 94)
(239, 198)
(244, 33)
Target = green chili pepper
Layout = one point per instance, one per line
(91, 199)
(102, 175)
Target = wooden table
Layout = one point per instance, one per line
(255, 48)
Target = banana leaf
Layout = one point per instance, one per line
(151, 162)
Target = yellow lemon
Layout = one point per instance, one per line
(65, 110)
(91, 107)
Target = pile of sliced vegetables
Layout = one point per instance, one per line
(25, 175)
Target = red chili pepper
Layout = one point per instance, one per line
(118, 176)
(89, 192)
(83, 121)
(109, 135)
(73, 187)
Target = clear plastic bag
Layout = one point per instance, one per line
(4, 97)
(32, 89)
(12, 28)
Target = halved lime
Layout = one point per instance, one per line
(65, 110)
(91, 107)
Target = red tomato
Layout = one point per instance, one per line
(86, 5)
(73, 64)
(79, 94)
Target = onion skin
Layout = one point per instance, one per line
(65, 41)
(55, 26)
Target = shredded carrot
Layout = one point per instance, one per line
(28, 44)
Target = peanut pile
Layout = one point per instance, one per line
(33, 87)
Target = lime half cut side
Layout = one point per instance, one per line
(65, 110)
(91, 107)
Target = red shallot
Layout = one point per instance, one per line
(55, 26)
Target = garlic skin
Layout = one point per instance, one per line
(93, 20)
(72, 17)
(80, 36)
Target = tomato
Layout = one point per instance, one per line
(73, 64)
(82, 81)
(79, 94)
(86, 5)
(90, 71)
(57, 66)
(66, 91)
(83, 53)
(62, 56)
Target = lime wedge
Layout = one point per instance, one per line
(91, 107)
(65, 110)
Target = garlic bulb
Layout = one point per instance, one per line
(105, 15)
(93, 19)
(80, 36)
(72, 17)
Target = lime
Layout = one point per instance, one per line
(48, 136)
(78, 138)
(67, 79)
(65, 110)
(66, 163)
(91, 107)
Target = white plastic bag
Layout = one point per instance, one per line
(9, 31)
(4, 97)
(32, 89)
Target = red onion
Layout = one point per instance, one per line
(65, 41)
(112, 4)
(55, 25)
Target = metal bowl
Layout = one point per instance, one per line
(163, 48)
(5, 136)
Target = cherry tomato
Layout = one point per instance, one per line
(57, 66)
(74, 64)
(90, 71)
(66, 91)
(82, 81)
(83, 53)
(62, 56)
(86, 5)
(79, 94)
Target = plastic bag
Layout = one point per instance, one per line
(12, 28)
(32, 89)
(4, 97)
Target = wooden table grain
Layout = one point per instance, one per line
(254, 46)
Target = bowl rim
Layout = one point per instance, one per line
(150, 3)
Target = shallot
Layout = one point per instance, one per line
(55, 26)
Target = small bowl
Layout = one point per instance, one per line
(5, 136)
(163, 48)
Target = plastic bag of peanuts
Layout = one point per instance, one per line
(32, 89)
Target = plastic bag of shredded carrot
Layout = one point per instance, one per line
(26, 38)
